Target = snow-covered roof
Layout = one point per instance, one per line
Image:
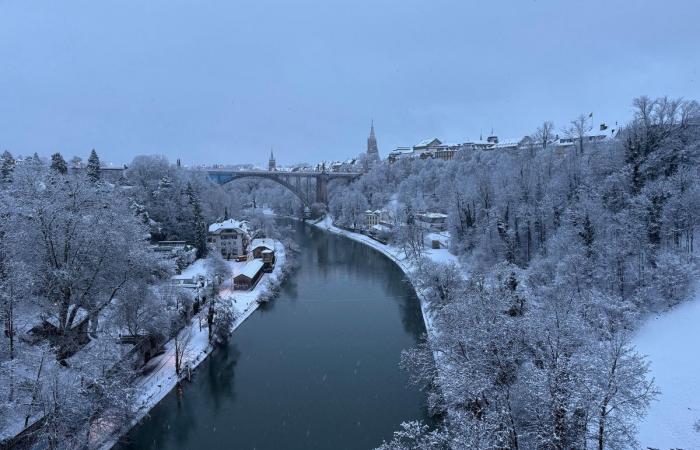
(478, 143)
(79, 317)
(381, 228)
(427, 142)
(263, 242)
(251, 268)
(434, 215)
(229, 224)
(185, 277)
(507, 143)
(402, 150)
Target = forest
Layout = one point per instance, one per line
(562, 255)
(85, 299)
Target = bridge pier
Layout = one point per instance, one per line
(322, 188)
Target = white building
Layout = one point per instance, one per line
(230, 237)
(376, 217)
(432, 221)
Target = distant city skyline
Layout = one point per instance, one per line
(219, 82)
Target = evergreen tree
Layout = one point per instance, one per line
(6, 166)
(93, 166)
(198, 225)
(58, 164)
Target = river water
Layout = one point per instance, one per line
(315, 368)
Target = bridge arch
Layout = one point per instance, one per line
(263, 176)
(293, 181)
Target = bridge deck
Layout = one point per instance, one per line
(266, 173)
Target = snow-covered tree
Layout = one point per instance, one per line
(7, 164)
(93, 166)
(58, 164)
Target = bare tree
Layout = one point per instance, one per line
(623, 393)
(578, 130)
(545, 134)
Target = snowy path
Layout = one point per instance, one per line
(161, 378)
(671, 341)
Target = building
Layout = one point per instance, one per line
(372, 149)
(268, 259)
(432, 221)
(180, 250)
(272, 164)
(509, 144)
(381, 232)
(429, 148)
(371, 218)
(400, 153)
(264, 249)
(231, 238)
(446, 152)
(249, 276)
(426, 147)
(189, 281)
(376, 217)
(261, 244)
(477, 145)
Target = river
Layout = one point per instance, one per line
(315, 368)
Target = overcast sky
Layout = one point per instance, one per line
(224, 81)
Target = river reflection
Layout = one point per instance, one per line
(315, 368)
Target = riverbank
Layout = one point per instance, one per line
(668, 340)
(316, 368)
(398, 257)
(161, 377)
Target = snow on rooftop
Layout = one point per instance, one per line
(229, 224)
(251, 268)
(434, 215)
(506, 143)
(427, 142)
(263, 242)
(381, 228)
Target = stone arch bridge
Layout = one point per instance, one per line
(309, 187)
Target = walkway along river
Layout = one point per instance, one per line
(315, 368)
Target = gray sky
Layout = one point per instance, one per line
(223, 81)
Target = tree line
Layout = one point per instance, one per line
(563, 251)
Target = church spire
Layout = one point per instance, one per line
(372, 149)
(272, 165)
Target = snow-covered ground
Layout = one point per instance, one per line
(161, 378)
(672, 343)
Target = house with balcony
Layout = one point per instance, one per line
(231, 238)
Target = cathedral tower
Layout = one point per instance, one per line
(372, 150)
(271, 164)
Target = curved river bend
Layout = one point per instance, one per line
(315, 368)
